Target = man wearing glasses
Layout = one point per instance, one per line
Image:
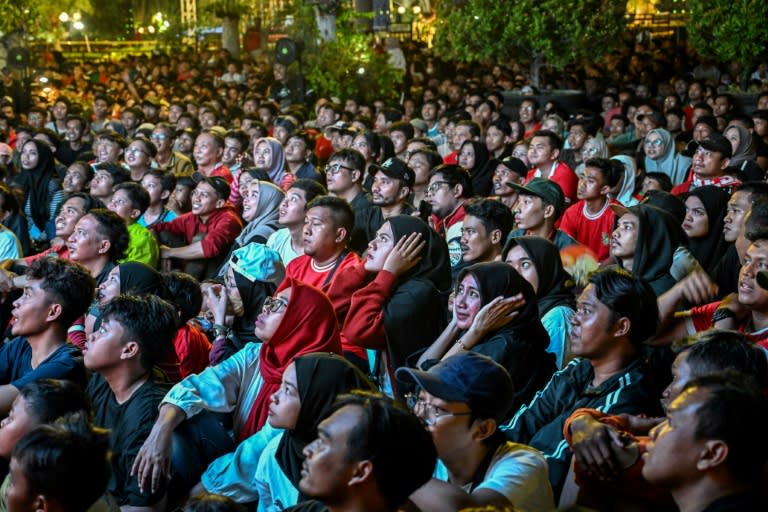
(163, 137)
(461, 401)
(449, 188)
(344, 178)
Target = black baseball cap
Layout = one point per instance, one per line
(218, 184)
(515, 165)
(468, 377)
(549, 191)
(397, 169)
(718, 143)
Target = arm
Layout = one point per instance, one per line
(441, 345)
(492, 317)
(437, 496)
(153, 461)
(696, 288)
(193, 251)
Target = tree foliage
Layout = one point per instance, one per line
(729, 29)
(554, 31)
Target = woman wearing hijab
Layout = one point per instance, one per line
(538, 261)
(661, 156)
(495, 313)
(310, 385)
(705, 209)
(403, 308)
(473, 156)
(744, 157)
(268, 154)
(625, 191)
(644, 242)
(298, 320)
(594, 147)
(41, 188)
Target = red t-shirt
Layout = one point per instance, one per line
(563, 176)
(701, 317)
(594, 231)
(192, 347)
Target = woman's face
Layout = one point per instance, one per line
(696, 222)
(262, 155)
(29, 156)
(467, 156)
(732, 134)
(522, 262)
(361, 144)
(467, 302)
(244, 180)
(272, 314)
(233, 293)
(285, 404)
(110, 288)
(251, 201)
(379, 248)
(521, 152)
(654, 146)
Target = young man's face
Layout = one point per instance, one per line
(101, 184)
(32, 310)
(709, 164)
(292, 208)
(386, 191)
(154, 187)
(108, 151)
(13, 427)
(477, 244)
(461, 133)
(752, 295)
(232, 149)
(110, 288)
(105, 345)
(85, 243)
(21, 495)
(624, 238)
(681, 376)
(321, 237)
(441, 196)
(327, 468)
(399, 140)
(592, 185)
(448, 422)
(205, 200)
(541, 153)
(121, 204)
(592, 327)
(339, 176)
(72, 211)
(74, 131)
(530, 212)
(738, 206)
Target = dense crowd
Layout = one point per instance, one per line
(247, 297)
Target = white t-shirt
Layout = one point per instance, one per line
(518, 472)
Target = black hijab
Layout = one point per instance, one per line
(710, 248)
(252, 294)
(658, 237)
(481, 172)
(320, 378)
(435, 265)
(137, 278)
(34, 183)
(555, 284)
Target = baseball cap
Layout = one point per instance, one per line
(549, 191)
(468, 377)
(420, 125)
(515, 165)
(218, 183)
(718, 143)
(340, 126)
(257, 262)
(396, 169)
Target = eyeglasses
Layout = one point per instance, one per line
(131, 149)
(334, 169)
(431, 413)
(589, 151)
(273, 304)
(655, 142)
(435, 186)
(158, 136)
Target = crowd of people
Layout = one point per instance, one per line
(220, 294)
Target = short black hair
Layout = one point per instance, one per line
(352, 158)
(185, 293)
(612, 170)
(715, 350)
(112, 227)
(309, 141)
(49, 399)
(311, 188)
(629, 296)
(146, 319)
(502, 124)
(474, 128)
(66, 283)
(394, 440)
(240, 136)
(207, 502)
(662, 179)
(341, 212)
(433, 157)
(402, 126)
(555, 141)
(137, 194)
(167, 179)
(493, 214)
(455, 175)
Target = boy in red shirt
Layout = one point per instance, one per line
(590, 221)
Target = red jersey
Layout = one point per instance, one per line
(592, 230)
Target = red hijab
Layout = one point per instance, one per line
(309, 325)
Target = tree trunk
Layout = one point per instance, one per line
(230, 35)
(326, 25)
(537, 62)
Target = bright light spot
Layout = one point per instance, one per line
(476, 17)
(64, 17)
(151, 29)
(77, 16)
(78, 25)
(401, 10)
(166, 23)
(416, 9)
(141, 30)
(361, 70)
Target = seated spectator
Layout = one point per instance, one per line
(78, 177)
(106, 176)
(98, 242)
(538, 261)
(483, 321)
(138, 157)
(710, 162)
(159, 185)
(64, 465)
(298, 150)
(208, 231)
(644, 242)
(594, 147)
(625, 190)
(655, 181)
(477, 466)
(508, 171)
(615, 314)
(743, 159)
(543, 154)
(370, 454)
(208, 151)
(661, 156)
(136, 333)
(473, 156)
(268, 154)
(539, 208)
(129, 200)
(449, 188)
(191, 344)
(487, 222)
(299, 319)
(166, 159)
(55, 293)
(705, 458)
(13, 219)
(288, 241)
(705, 209)
(403, 307)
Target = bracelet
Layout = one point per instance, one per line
(220, 330)
(722, 314)
(461, 345)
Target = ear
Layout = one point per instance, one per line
(362, 472)
(130, 350)
(135, 213)
(725, 163)
(556, 154)
(549, 211)
(458, 191)
(104, 246)
(54, 312)
(604, 190)
(165, 194)
(355, 175)
(341, 235)
(714, 453)
(622, 327)
(403, 192)
(496, 236)
(220, 203)
(483, 429)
